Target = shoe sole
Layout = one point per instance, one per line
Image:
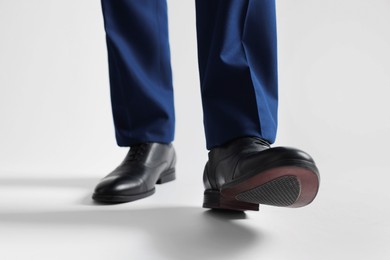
(116, 199)
(285, 186)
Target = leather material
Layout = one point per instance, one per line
(144, 165)
(246, 157)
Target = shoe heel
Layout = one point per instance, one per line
(214, 200)
(167, 176)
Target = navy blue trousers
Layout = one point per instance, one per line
(237, 58)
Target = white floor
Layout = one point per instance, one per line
(54, 218)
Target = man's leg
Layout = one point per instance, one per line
(141, 96)
(238, 76)
(140, 70)
(238, 68)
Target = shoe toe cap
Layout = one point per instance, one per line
(118, 186)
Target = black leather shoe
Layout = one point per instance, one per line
(247, 172)
(144, 165)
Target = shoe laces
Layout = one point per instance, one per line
(136, 152)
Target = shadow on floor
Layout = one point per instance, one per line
(60, 182)
(174, 232)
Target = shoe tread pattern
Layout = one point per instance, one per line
(282, 192)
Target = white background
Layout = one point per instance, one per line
(57, 139)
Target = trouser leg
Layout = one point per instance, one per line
(238, 68)
(139, 70)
